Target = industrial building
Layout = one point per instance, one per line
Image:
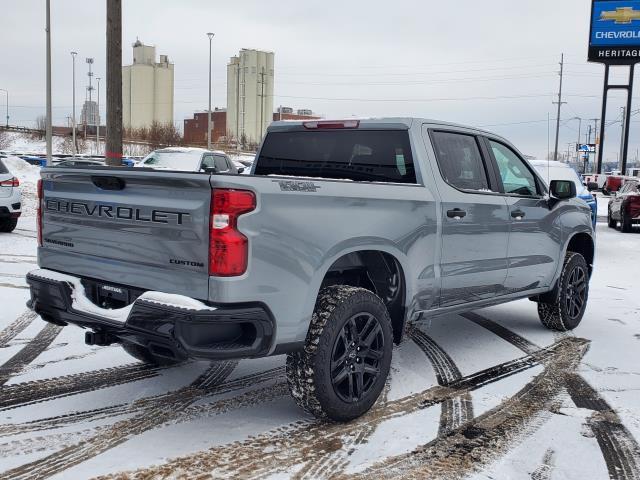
(147, 88)
(250, 77)
(89, 115)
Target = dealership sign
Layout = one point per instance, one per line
(615, 32)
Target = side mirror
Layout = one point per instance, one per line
(209, 169)
(562, 189)
(241, 169)
(592, 186)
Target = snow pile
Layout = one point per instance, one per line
(28, 175)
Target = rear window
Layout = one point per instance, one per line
(360, 155)
(3, 168)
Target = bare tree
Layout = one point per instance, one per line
(5, 139)
(41, 128)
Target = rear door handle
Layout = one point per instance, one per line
(517, 214)
(456, 213)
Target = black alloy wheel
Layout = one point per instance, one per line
(575, 296)
(356, 356)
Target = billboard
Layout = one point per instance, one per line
(615, 32)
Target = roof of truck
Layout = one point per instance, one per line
(378, 121)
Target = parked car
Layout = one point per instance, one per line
(190, 160)
(80, 163)
(597, 178)
(344, 232)
(10, 199)
(613, 184)
(552, 170)
(624, 207)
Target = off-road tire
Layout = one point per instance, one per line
(610, 221)
(7, 225)
(309, 371)
(553, 313)
(625, 221)
(145, 356)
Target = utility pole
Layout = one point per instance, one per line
(88, 106)
(73, 113)
(261, 104)
(559, 103)
(49, 107)
(622, 138)
(113, 147)
(98, 120)
(210, 35)
(579, 135)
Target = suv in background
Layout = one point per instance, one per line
(552, 170)
(190, 160)
(10, 199)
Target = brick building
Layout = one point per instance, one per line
(195, 129)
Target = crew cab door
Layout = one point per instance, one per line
(535, 237)
(475, 220)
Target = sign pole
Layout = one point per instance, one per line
(603, 116)
(627, 123)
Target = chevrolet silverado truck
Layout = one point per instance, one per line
(343, 233)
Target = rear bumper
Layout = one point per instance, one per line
(169, 330)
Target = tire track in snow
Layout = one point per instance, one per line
(140, 406)
(29, 352)
(335, 461)
(543, 472)
(29, 393)
(455, 410)
(16, 327)
(480, 442)
(620, 450)
(281, 449)
(155, 414)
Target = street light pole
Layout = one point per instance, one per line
(73, 113)
(579, 134)
(98, 118)
(49, 107)
(210, 35)
(7, 92)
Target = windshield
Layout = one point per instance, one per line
(560, 173)
(173, 160)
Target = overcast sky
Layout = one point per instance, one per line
(491, 63)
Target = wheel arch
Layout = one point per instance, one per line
(367, 264)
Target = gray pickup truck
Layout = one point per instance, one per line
(343, 233)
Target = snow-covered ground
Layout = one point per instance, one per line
(517, 400)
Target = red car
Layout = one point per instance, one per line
(624, 207)
(613, 184)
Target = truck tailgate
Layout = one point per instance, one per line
(149, 229)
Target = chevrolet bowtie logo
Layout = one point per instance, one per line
(621, 15)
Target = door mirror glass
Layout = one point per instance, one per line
(562, 189)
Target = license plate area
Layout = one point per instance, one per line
(109, 295)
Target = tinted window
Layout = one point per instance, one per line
(460, 162)
(516, 177)
(207, 162)
(361, 155)
(221, 164)
(3, 168)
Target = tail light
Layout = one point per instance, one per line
(228, 248)
(634, 206)
(39, 212)
(12, 182)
